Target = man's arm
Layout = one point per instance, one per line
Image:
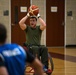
(38, 67)
(3, 70)
(35, 63)
(43, 24)
(22, 22)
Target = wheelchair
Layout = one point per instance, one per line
(35, 52)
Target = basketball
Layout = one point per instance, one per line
(33, 10)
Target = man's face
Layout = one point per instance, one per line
(33, 22)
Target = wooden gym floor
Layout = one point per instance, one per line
(64, 61)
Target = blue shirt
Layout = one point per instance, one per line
(14, 58)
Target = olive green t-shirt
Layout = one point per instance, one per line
(33, 36)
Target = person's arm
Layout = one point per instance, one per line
(3, 70)
(35, 63)
(22, 22)
(38, 67)
(43, 24)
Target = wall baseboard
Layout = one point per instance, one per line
(71, 46)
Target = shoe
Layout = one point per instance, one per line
(48, 72)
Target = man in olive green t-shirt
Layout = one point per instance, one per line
(33, 37)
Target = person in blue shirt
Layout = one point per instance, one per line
(13, 57)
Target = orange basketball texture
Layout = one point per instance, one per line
(33, 10)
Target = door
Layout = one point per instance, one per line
(55, 23)
(17, 12)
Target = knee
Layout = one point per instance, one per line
(45, 48)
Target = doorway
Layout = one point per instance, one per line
(19, 9)
(55, 10)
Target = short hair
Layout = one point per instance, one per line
(3, 33)
(33, 17)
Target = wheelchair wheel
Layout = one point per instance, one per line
(50, 64)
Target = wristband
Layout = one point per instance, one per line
(39, 16)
